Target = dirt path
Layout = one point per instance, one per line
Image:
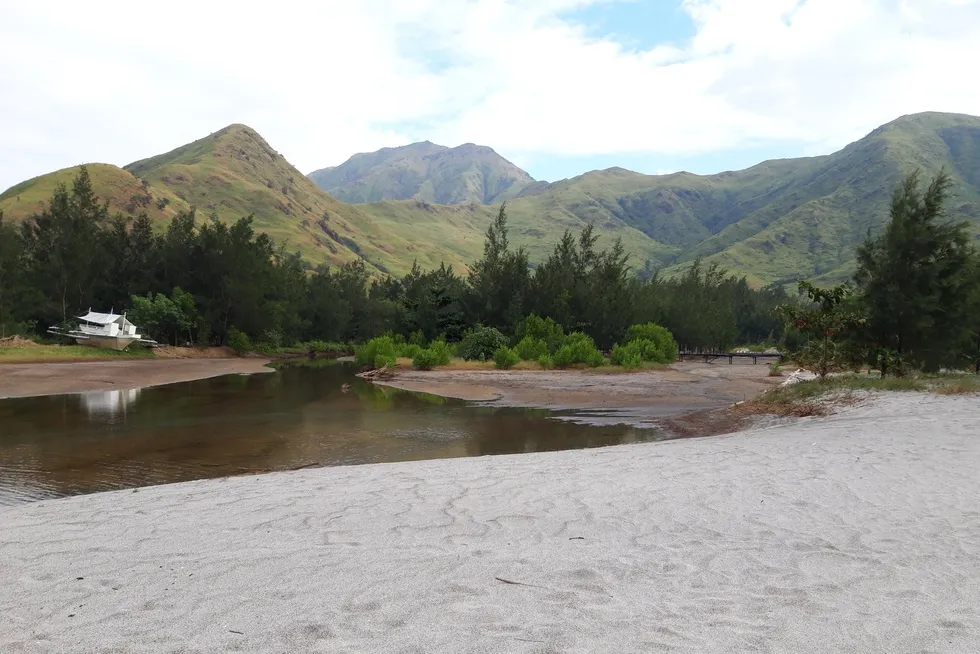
(677, 391)
(28, 379)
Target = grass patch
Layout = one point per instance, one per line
(814, 397)
(42, 353)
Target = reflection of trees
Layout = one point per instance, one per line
(294, 417)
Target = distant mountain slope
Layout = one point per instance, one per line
(779, 220)
(234, 172)
(774, 222)
(424, 171)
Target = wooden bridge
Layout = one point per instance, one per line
(709, 357)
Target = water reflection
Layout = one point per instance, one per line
(108, 404)
(71, 444)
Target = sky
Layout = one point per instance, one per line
(559, 87)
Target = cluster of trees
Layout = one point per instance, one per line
(915, 301)
(206, 282)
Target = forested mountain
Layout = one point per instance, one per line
(425, 171)
(774, 222)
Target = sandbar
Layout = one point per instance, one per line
(857, 532)
(30, 379)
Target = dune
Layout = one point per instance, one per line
(858, 532)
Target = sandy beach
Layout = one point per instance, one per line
(858, 532)
(30, 379)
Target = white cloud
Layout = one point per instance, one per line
(117, 80)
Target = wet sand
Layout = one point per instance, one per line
(684, 388)
(30, 379)
(858, 532)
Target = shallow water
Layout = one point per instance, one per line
(296, 417)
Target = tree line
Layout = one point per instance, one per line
(206, 282)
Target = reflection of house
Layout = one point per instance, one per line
(108, 402)
(109, 330)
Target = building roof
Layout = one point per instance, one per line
(102, 318)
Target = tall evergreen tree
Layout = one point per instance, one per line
(917, 276)
(500, 280)
(64, 248)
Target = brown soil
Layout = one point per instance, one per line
(28, 379)
(17, 341)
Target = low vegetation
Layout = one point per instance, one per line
(818, 396)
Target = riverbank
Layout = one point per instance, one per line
(30, 379)
(856, 532)
(692, 389)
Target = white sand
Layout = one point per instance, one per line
(855, 533)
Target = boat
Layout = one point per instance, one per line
(108, 330)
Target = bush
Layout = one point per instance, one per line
(408, 350)
(578, 348)
(417, 338)
(382, 360)
(636, 352)
(425, 360)
(538, 328)
(381, 347)
(531, 349)
(663, 341)
(481, 343)
(238, 341)
(546, 362)
(442, 351)
(505, 358)
(631, 360)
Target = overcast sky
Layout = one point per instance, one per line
(557, 86)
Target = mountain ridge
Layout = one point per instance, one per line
(774, 222)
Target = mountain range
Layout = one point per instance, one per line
(774, 222)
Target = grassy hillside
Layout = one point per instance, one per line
(810, 227)
(234, 172)
(455, 234)
(427, 172)
(124, 191)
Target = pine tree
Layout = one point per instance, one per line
(917, 278)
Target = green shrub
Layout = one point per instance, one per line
(505, 358)
(382, 346)
(425, 359)
(544, 329)
(661, 337)
(635, 353)
(630, 359)
(546, 362)
(531, 349)
(238, 341)
(417, 338)
(408, 350)
(382, 360)
(442, 351)
(481, 343)
(578, 348)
